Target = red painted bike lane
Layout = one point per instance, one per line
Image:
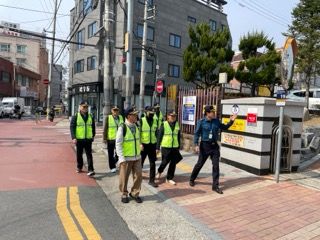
(37, 156)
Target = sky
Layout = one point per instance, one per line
(270, 16)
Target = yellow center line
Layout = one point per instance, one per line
(65, 216)
(81, 216)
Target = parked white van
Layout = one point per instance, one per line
(314, 97)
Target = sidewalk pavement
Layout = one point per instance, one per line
(252, 207)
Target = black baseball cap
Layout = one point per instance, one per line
(130, 111)
(115, 107)
(172, 113)
(149, 109)
(156, 105)
(209, 108)
(84, 103)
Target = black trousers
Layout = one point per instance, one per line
(112, 156)
(150, 151)
(212, 151)
(87, 146)
(169, 156)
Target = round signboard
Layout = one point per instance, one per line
(159, 86)
(235, 109)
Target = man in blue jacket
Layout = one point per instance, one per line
(208, 129)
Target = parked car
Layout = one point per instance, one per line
(314, 97)
(1, 110)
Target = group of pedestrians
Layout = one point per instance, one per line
(130, 141)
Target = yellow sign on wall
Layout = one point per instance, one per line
(238, 125)
(232, 139)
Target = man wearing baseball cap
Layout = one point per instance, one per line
(112, 122)
(83, 130)
(158, 116)
(148, 128)
(128, 151)
(169, 141)
(208, 129)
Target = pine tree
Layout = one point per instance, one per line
(208, 54)
(305, 29)
(259, 64)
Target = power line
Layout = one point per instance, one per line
(266, 12)
(45, 37)
(260, 13)
(32, 10)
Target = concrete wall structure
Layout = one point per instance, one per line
(247, 144)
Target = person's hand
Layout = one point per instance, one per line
(233, 117)
(74, 141)
(158, 151)
(196, 149)
(141, 147)
(104, 141)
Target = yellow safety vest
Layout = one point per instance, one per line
(84, 129)
(148, 134)
(158, 119)
(170, 138)
(131, 143)
(113, 127)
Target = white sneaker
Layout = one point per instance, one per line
(113, 170)
(91, 173)
(171, 182)
(158, 176)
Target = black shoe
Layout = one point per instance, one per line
(191, 183)
(153, 184)
(217, 189)
(137, 198)
(124, 199)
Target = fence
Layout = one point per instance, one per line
(204, 97)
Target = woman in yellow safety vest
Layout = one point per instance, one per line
(169, 141)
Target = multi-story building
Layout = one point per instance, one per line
(26, 51)
(17, 81)
(57, 86)
(167, 38)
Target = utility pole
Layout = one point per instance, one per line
(144, 52)
(108, 57)
(129, 54)
(52, 57)
(143, 56)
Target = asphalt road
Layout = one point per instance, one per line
(41, 195)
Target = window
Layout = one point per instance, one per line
(4, 47)
(21, 48)
(91, 63)
(23, 81)
(150, 2)
(175, 40)
(79, 66)
(21, 61)
(191, 19)
(173, 70)
(92, 29)
(223, 26)
(5, 76)
(80, 39)
(149, 65)
(87, 6)
(213, 25)
(150, 33)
